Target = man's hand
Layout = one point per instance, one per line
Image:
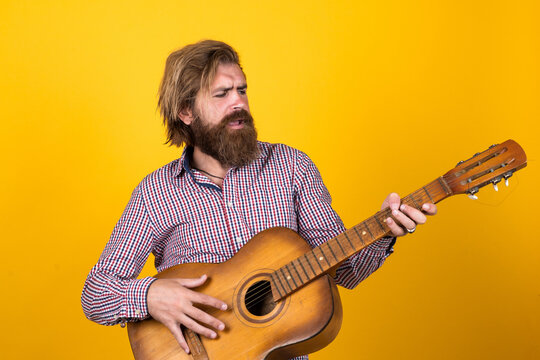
(407, 216)
(171, 302)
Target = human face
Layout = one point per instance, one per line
(226, 95)
(222, 125)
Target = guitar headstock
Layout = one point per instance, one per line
(497, 163)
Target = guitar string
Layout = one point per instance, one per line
(257, 294)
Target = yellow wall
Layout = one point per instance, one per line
(383, 95)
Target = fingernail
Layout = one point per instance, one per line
(186, 350)
(221, 327)
(394, 212)
(402, 207)
(388, 220)
(224, 307)
(213, 335)
(425, 207)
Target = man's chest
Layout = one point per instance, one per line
(204, 224)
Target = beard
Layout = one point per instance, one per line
(231, 147)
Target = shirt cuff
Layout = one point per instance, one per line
(385, 244)
(136, 307)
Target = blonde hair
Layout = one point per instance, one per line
(187, 71)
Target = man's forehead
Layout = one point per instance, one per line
(227, 75)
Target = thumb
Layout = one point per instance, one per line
(192, 282)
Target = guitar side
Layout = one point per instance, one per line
(301, 323)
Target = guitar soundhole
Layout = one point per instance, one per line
(258, 299)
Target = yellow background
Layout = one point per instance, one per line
(383, 95)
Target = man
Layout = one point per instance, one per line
(205, 206)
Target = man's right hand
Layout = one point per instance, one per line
(171, 302)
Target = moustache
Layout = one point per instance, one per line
(239, 115)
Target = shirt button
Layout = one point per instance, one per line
(238, 239)
(137, 312)
(229, 204)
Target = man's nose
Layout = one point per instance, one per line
(239, 102)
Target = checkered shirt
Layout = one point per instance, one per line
(180, 216)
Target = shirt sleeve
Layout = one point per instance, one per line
(112, 293)
(318, 223)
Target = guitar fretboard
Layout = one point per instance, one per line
(329, 255)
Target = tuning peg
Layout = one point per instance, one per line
(506, 177)
(471, 193)
(495, 182)
(459, 163)
(493, 145)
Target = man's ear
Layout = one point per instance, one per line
(186, 115)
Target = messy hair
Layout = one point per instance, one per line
(187, 71)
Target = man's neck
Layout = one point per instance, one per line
(209, 166)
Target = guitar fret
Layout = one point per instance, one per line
(316, 259)
(408, 201)
(339, 244)
(445, 186)
(324, 255)
(285, 279)
(369, 231)
(349, 240)
(273, 277)
(415, 203)
(331, 251)
(304, 269)
(290, 277)
(309, 263)
(378, 222)
(427, 193)
(297, 273)
(359, 236)
(283, 287)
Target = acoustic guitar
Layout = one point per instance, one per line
(282, 301)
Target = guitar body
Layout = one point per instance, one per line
(303, 322)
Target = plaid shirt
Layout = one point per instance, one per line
(180, 216)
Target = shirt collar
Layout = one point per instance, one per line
(183, 162)
(187, 155)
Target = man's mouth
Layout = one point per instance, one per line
(236, 124)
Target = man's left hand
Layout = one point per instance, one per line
(407, 216)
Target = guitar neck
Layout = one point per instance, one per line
(329, 255)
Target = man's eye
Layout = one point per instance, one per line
(242, 91)
(220, 95)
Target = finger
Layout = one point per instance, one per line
(395, 228)
(416, 215)
(175, 329)
(393, 201)
(198, 328)
(205, 318)
(403, 219)
(204, 299)
(430, 209)
(192, 283)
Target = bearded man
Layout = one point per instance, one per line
(225, 188)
